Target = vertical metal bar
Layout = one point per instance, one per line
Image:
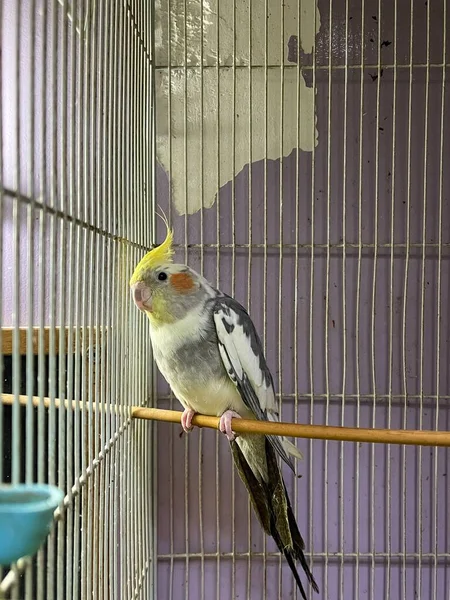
(404, 527)
(30, 424)
(435, 510)
(116, 418)
(186, 259)
(52, 277)
(250, 240)
(92, 210)
(265, 223)
(115, 543)
(373, 314)
(16, 453)
(344, 311)
(202, 259)
(141, 504)
(107, 290)
(327, 288)
(110, 574)
(185, 170)
(233, 278)
(296, 258)
(151, 236)
(280, 256)
(120, 531)
(43, 252)
(133, 228)
(218, 272)
(358, 300)
(391, 308)
(88, 309)
(138, 507)
(422, 310)
(126, 450)
(100, 300)
(311, 299)
(84, 239)
(70, 391)
(62, 542)
(172, 433)
(149, 433)
(79, 537)
(16, 444)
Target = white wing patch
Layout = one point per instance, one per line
(236, 348)
(243, 358)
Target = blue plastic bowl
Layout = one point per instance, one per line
(26, 517)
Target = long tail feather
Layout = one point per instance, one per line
(291, 563)
(299, 544)
(273, 509)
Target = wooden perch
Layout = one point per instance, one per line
(316, 432)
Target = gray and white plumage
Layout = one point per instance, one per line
(207, 348)
(243, 357)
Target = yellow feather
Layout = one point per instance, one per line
(160, 255)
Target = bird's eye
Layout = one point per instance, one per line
(162, 276)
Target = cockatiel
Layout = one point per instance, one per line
(208, 350)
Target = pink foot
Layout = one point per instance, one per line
(225, 424)
(186, 420)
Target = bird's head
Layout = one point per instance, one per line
(163, 290)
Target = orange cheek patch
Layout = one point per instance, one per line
(182, 282)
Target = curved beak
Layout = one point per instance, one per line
(142, 296)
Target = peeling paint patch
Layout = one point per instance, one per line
(195, 130)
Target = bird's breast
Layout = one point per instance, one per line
(187, 354)
(212, 397)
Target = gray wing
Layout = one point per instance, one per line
(243, 358)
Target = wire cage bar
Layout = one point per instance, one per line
(302, 152)
(76, 214)
(299, 150)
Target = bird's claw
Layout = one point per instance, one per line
(225, 424)
(186, 420)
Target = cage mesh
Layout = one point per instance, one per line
(300, 150)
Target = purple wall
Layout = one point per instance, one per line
(375, 518)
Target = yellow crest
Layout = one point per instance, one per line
(160, 255)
